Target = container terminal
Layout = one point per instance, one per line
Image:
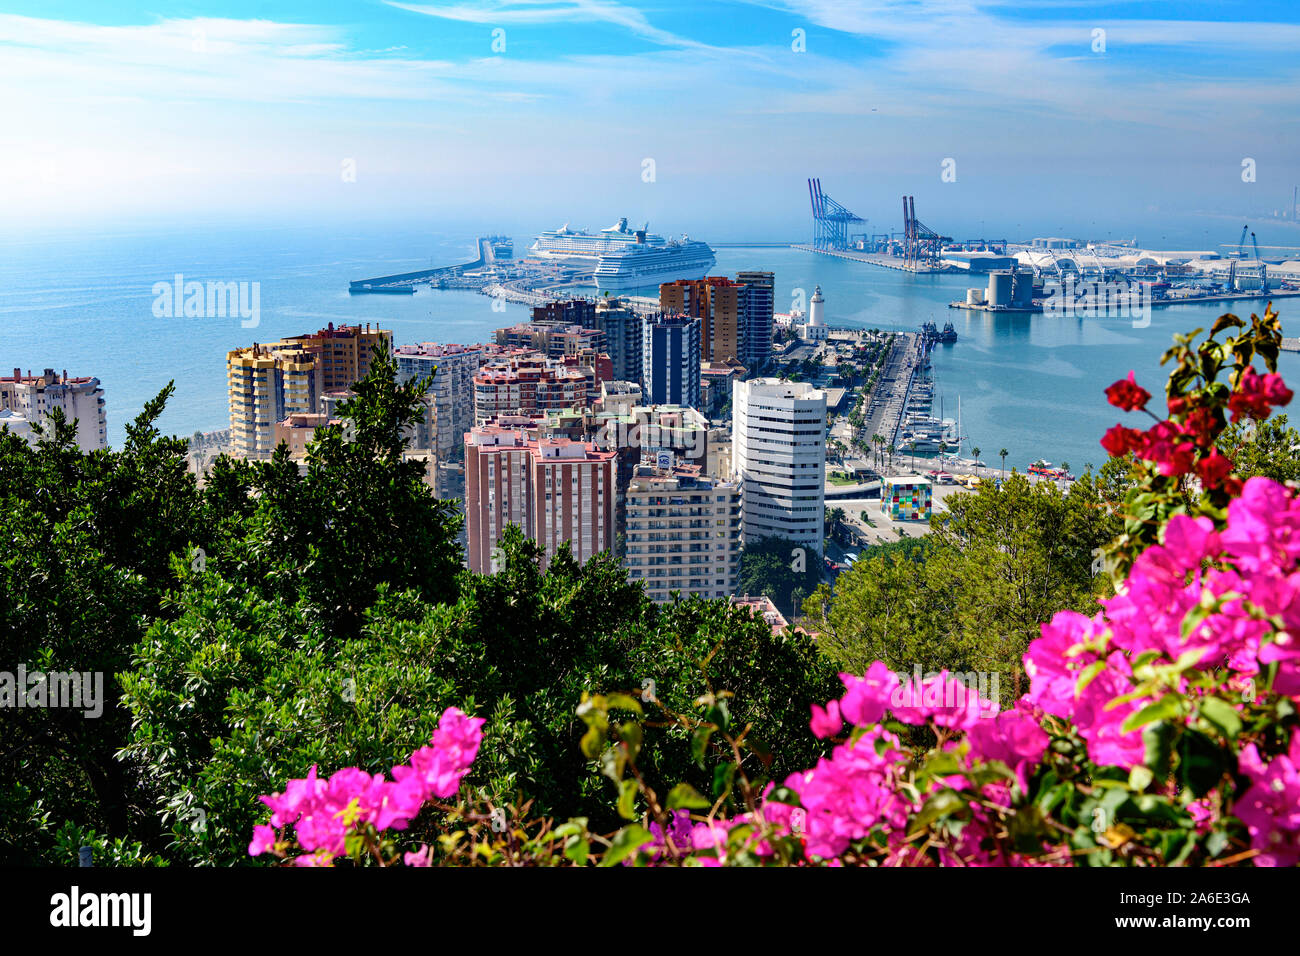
(1020, 274)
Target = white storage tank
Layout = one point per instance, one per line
(974, 296)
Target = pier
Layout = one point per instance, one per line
(876, 259)
(405, 282)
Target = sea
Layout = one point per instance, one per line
(86, 303)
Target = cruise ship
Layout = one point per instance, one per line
(627, 260)
(566, 243)
(644, 266)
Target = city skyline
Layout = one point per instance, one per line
(672, 114)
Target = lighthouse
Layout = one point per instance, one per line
(816, 330)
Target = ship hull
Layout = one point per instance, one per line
(642, 281)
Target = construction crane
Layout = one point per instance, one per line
(1263, 266)
(1241, 243)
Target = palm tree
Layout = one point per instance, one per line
(911, 446)
(1004, 454)
(891, 456)
(975, 450)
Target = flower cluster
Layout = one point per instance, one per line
(324, 812)
(1183, 444)
(1223, 603)
(1219, 603)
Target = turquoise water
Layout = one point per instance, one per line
(1027, 383)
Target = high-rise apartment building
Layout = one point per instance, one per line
(719, 304)
(623, 329)
(671, 360)
(342, 355)
(268, 383)
(35, 397)
(779, 455)
(553, 341)
(682, 532)
(580, 312)
(760, 306)
(555, 489)
(528, 383)
(451, 393)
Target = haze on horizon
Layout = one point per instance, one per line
(520, 113)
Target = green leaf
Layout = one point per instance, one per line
(593, 741)
(1159, 740)
(942, 764)
(577, 849)
(1165, 708)
(1086, 676)
(625, 843)
(723, 775)
(623, 702)
(1222, 715)
(685, 796)
(627, 791)
(699, 743)
(572, 827)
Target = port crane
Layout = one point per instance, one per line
(1263, 267)
(831, 220)
(1241, 243)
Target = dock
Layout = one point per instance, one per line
(875, 259)
(404, 283)
(1154, 303)
(984, 307)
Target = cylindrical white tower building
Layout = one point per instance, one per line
(816, 309)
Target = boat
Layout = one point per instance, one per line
(1044, 469)
(381, 290)
(645, 266)
(566, 243)
(948, 335)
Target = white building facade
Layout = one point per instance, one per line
(779, 456)
(35, 397)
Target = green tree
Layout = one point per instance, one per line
(775, 566)
(86, 546)
(971, 596)
(1270, 448)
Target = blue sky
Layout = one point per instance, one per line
(194, 111)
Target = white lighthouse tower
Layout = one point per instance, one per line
(816, 330)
